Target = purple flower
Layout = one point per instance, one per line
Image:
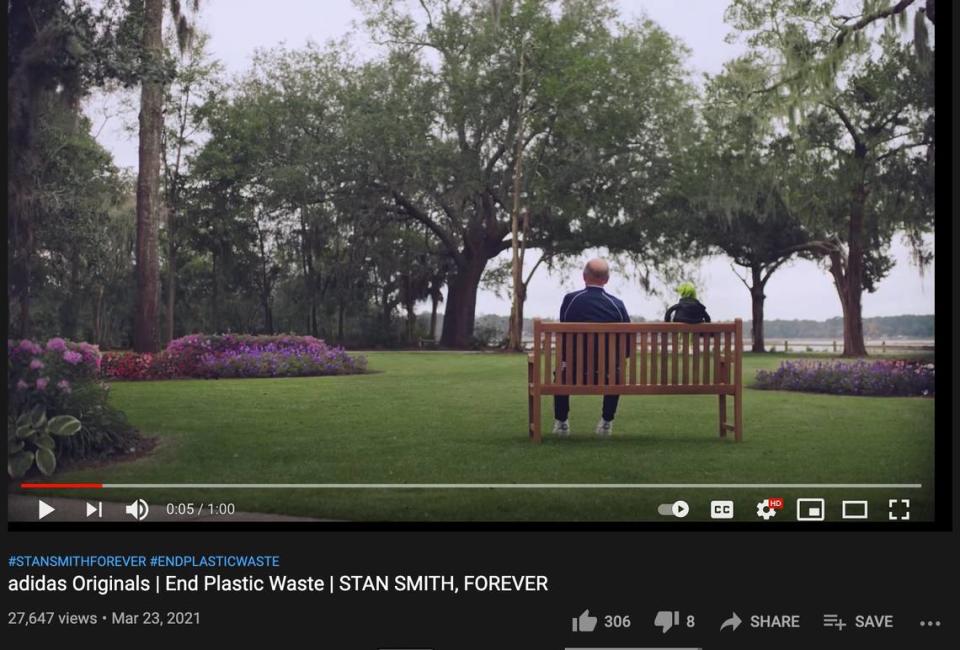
(36, 364)
(29, 346)
(57, 344)
(64, 385)
(42, 383)
(73, 358)
(22, 385)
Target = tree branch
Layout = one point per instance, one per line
(851, 129)
(869, 18)
(741, 278)
(418, 214)
(773, 267)
(526, 282)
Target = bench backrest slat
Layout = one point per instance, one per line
(696, 359)
(660, 356)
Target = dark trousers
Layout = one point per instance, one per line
(561, 406)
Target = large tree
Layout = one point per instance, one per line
(155, 76)
(44, 66)
(861, 104)
(728, 194)
(599, 106)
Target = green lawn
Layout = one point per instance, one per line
(461, 418)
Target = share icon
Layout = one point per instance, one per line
(733, 623)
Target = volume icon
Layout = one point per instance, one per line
(138, 509)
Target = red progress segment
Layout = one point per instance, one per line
(61, 486)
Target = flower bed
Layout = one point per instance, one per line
(233, 355)
(875, 378)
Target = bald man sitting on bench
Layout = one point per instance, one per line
(592, 304)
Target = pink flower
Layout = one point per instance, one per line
(22, 385)
(36, 364)
(42, 383)
(73, 358)
(64, 385)
(29, 346)
(57, 344)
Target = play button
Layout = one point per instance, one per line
(43, 509)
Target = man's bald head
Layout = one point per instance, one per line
(597, 271)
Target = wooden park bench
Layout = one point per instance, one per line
(637, 359)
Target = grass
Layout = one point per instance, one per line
(461, 418)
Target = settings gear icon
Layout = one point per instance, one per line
(765, 511)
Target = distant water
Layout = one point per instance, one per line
(826, 345)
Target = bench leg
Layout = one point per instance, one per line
(535, 433)
(723, 416)
(738, 415)
(530, 412)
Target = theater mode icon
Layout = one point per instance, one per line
(856, 510)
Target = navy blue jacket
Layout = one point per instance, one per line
(592, 305)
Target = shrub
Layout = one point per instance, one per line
(234, 355)
(30, 440)
(131, 365)
(875, 378)
(61, 378)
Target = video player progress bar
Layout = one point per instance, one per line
(473, 486)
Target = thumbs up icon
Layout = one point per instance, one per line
(584, 622)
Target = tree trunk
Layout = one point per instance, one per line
(70, 307)
(460, 312)
(435, 303)
(171, 276)
(341, 307)
(411, 322)
(265, 289)
(27, 21)
(215, 297)
(851, 284)
(146, 326)
(308, 275)
(98, 317)
(853, 344)
(757, 297)
(23, 272)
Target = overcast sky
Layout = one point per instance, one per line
(800, 290)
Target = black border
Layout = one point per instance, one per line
(946, 413)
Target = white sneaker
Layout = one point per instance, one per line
(604, 428)
(561, 427)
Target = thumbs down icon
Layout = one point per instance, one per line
(666, 619)
(584, 622)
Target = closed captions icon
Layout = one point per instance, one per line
(721, 509)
